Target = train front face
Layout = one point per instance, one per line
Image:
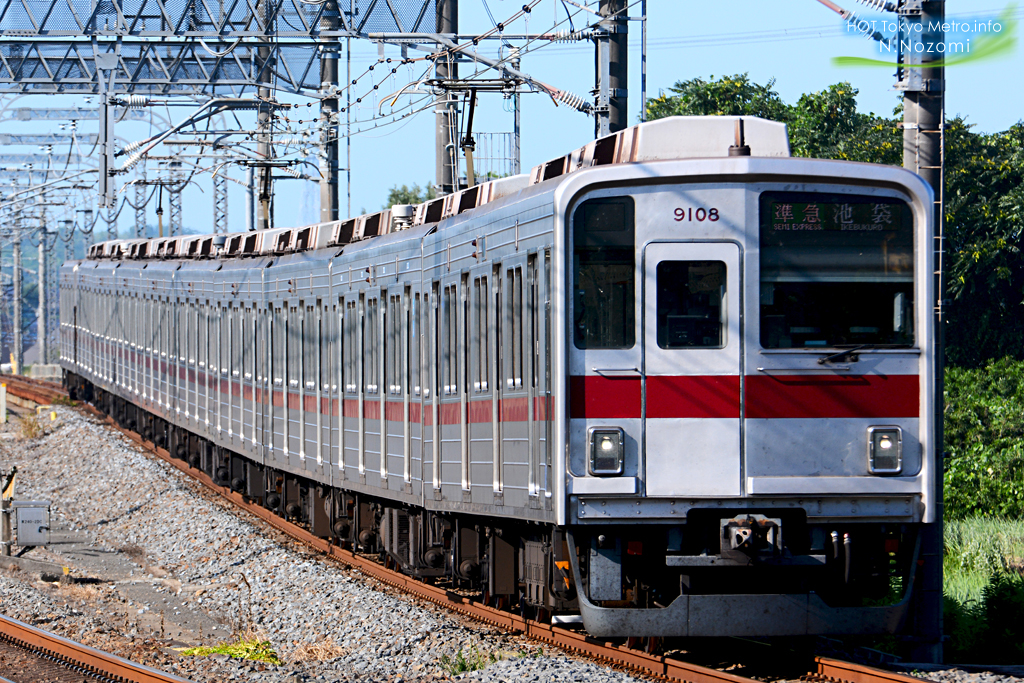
(749, 373)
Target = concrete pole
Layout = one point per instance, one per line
(328, 115)
(41, 321)
(923, 119)
(446, 169)
(16, 352)
(611, 68)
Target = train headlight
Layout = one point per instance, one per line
(607, 450)
(885, 450)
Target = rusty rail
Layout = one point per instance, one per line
(76, 654)
(35, 390)
(839, 671)
(658, 666)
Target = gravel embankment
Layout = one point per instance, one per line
(187, 565)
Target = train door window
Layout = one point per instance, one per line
(450, 339)
(182, 328)
(604, 271)
(691, 304)
(224, 341)
(413, 329)
(480, 334)
(514, 320)
(371, 346)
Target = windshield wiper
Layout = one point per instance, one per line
(846, 355)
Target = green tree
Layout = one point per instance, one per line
(409, 195)
(727, 96)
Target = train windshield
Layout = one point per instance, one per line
(604, 269)
(836, 270)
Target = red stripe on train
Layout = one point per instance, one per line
(807, 396)
(693, 396)
(604, 398)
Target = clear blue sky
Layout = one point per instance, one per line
(791, 41)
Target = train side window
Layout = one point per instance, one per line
(309, 355)
(224, 341)
(691, 304)
(604, 273)
(480, 334)
(450, 336)
(371, 346)
(204, 336)
(325, 342)
(277, 347)
(394, 344)
(413, 329)
(512, 330)
(350, 323)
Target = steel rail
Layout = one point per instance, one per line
(76, 654)
(658, 666)
(837, 671)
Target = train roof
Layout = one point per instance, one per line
(675, 137)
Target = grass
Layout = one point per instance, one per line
(474, 660)
(30, 428)
(320, 651)
(984, 590)
(252, 649)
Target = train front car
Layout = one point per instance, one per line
(749, 382)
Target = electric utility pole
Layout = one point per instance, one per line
(41, 328)
(264, 194)
(611, 44)
(923, 123)
(328, 117)
(446, 169)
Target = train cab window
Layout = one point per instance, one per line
(604, 273)
(836, 270)
(691, 311)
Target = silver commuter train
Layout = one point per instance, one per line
(675, 382)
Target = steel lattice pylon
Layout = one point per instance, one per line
(220, 203)
(140, 202)
(67, 45)
(174, 201)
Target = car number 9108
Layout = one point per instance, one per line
(699, 215)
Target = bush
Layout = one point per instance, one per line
(984, 430)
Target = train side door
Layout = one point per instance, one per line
(692, 349)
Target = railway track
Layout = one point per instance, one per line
(658, 666)
(76, 658)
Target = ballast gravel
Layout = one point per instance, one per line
(194, 555)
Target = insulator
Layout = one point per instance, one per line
(572, 100)
(132, 146)
(132, 160)
(880, 5)
(137, 101)
(567, 36)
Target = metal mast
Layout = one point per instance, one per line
(263, 149)
(41, 327)
(923, 138)
(328, 117)
(446, 170)
(611, 44)
(16, 352)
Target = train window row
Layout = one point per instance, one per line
(484, 334)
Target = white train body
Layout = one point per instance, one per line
(677, 391)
